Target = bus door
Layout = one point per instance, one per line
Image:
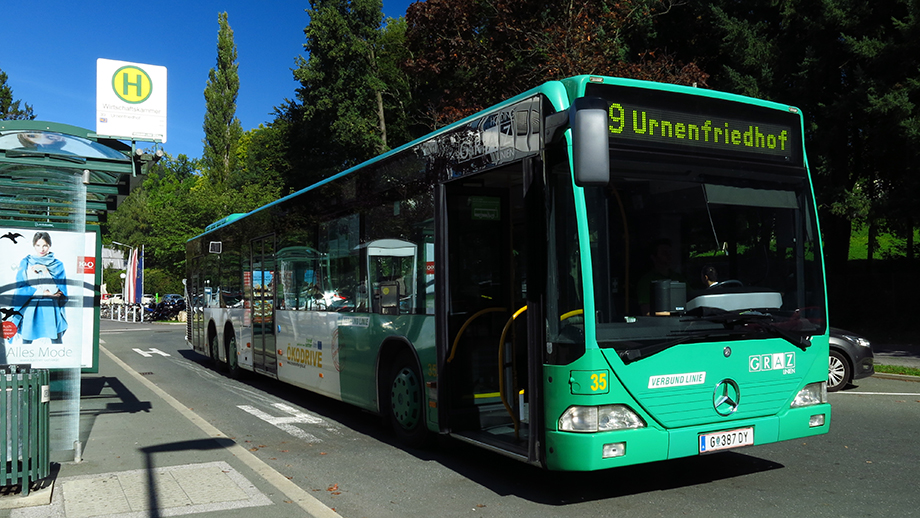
(488, 354)
(262, 258)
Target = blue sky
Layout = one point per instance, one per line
(50, 51)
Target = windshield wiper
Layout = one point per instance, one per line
(735, 322)
(635, 354)
(764, 321)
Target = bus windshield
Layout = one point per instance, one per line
(703, 256)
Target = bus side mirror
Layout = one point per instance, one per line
(590, 148)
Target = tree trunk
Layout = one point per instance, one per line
(381, 122)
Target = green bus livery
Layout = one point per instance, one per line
(598, 272)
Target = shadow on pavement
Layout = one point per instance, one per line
(149, 466)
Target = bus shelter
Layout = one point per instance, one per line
(57, 183)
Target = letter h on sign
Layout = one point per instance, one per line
(138, 84)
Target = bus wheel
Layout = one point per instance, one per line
(233, 360)
(214, 352)
(405, 401)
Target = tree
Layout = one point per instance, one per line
(396, 95)
(853, 68)
(222, 129)
(10, 109)
(262, 156)
(469, 54)
(351, 89)
(170, 207)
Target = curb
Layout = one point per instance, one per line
(899, 377)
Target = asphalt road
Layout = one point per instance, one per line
(868, 465)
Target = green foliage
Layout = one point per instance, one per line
(852, 67)
(222, 129)
(896, 369)
(338, 84)
(157, 281)
(397, 89)
(350, 104)
(168, 209)
(10, 109)
(262, 158)
(111, 278)
(365, 86)
(469, 54)
(888, 244)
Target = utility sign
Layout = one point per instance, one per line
(130, 100)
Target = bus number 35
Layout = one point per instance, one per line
(599, 382)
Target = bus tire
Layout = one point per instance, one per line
(405, 394)
(233, 359)
(214, 351)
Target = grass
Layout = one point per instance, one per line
(897, 369)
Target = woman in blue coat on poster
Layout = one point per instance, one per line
(41, 293)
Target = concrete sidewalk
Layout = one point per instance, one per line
(904, 355)
(146, 454)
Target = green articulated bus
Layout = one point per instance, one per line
(595, 273)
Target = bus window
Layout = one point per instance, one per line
(565, 312)
(652, 240)
(392, 266)
(339, 242)
(303, 273)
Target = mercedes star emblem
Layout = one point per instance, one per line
(726, 397)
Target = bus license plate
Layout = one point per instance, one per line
(725, 440)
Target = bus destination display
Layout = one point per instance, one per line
(664, 127)
(711, 126)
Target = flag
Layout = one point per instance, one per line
(131, 294)
(139, 277)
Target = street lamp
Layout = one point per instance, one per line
(116, 243)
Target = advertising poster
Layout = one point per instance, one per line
(46, 293)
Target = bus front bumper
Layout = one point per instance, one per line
(568, 451)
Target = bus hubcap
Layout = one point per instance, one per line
(405, 398)
(231, 353)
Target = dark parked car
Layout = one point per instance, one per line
(851, 358)
(172, 297)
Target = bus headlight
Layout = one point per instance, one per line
(604, 418)
(812, 394)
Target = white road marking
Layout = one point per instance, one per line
(285, 422)
(151, 352)
(880, 393)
